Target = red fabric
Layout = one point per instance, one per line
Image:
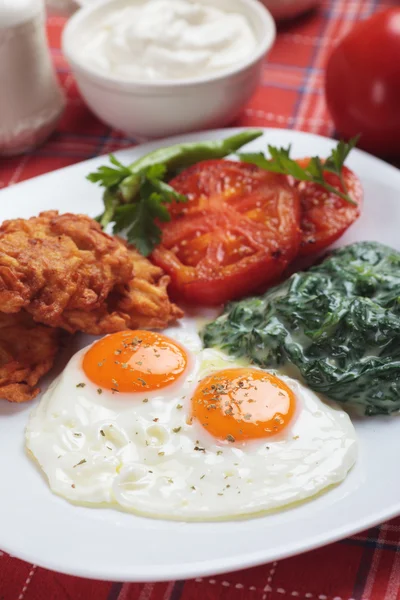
(365, 567)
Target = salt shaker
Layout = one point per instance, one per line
(31, 100)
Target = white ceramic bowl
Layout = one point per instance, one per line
(163, 108)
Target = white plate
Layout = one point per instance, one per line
(44, 529)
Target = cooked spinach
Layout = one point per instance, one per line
(338, 323)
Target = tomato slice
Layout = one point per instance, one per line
(238, 231)
(325, 216)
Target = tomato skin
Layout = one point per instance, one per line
(207, 292)
(362, 83)
(219, 184)
(239, 230)
(204, 285)
(324, 215)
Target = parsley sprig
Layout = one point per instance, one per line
(139, 218)
(281, 162)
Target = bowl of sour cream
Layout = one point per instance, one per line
(154, 68)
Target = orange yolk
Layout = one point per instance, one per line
(243, 404)
(134, 361)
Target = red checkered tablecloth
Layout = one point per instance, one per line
(364, 567)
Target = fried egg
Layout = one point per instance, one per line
(154, 424)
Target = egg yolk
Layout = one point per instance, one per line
(243, 404)
(134, 361)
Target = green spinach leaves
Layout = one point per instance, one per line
(338, 323)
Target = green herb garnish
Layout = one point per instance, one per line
(280, 162)
(139, 219)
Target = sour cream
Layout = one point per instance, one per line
(167, 40)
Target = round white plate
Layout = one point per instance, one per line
(42, 528)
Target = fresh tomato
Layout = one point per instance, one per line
(324, 215)
(362, 83)
(239, 230)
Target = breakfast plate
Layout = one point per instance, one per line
(101, 543)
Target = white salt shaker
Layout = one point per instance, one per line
(31, 100)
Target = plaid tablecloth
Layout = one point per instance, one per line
(364, 567)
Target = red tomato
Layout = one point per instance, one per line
(362, 83)
(239, 230)
(325, 216)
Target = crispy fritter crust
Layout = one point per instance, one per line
(66, 272)
(53, 263)
(141, 303)
(145, 299)
(27, 352)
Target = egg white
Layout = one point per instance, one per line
(139, 452)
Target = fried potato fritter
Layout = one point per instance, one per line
(67, 273)
(53, 263)
(27, 352)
